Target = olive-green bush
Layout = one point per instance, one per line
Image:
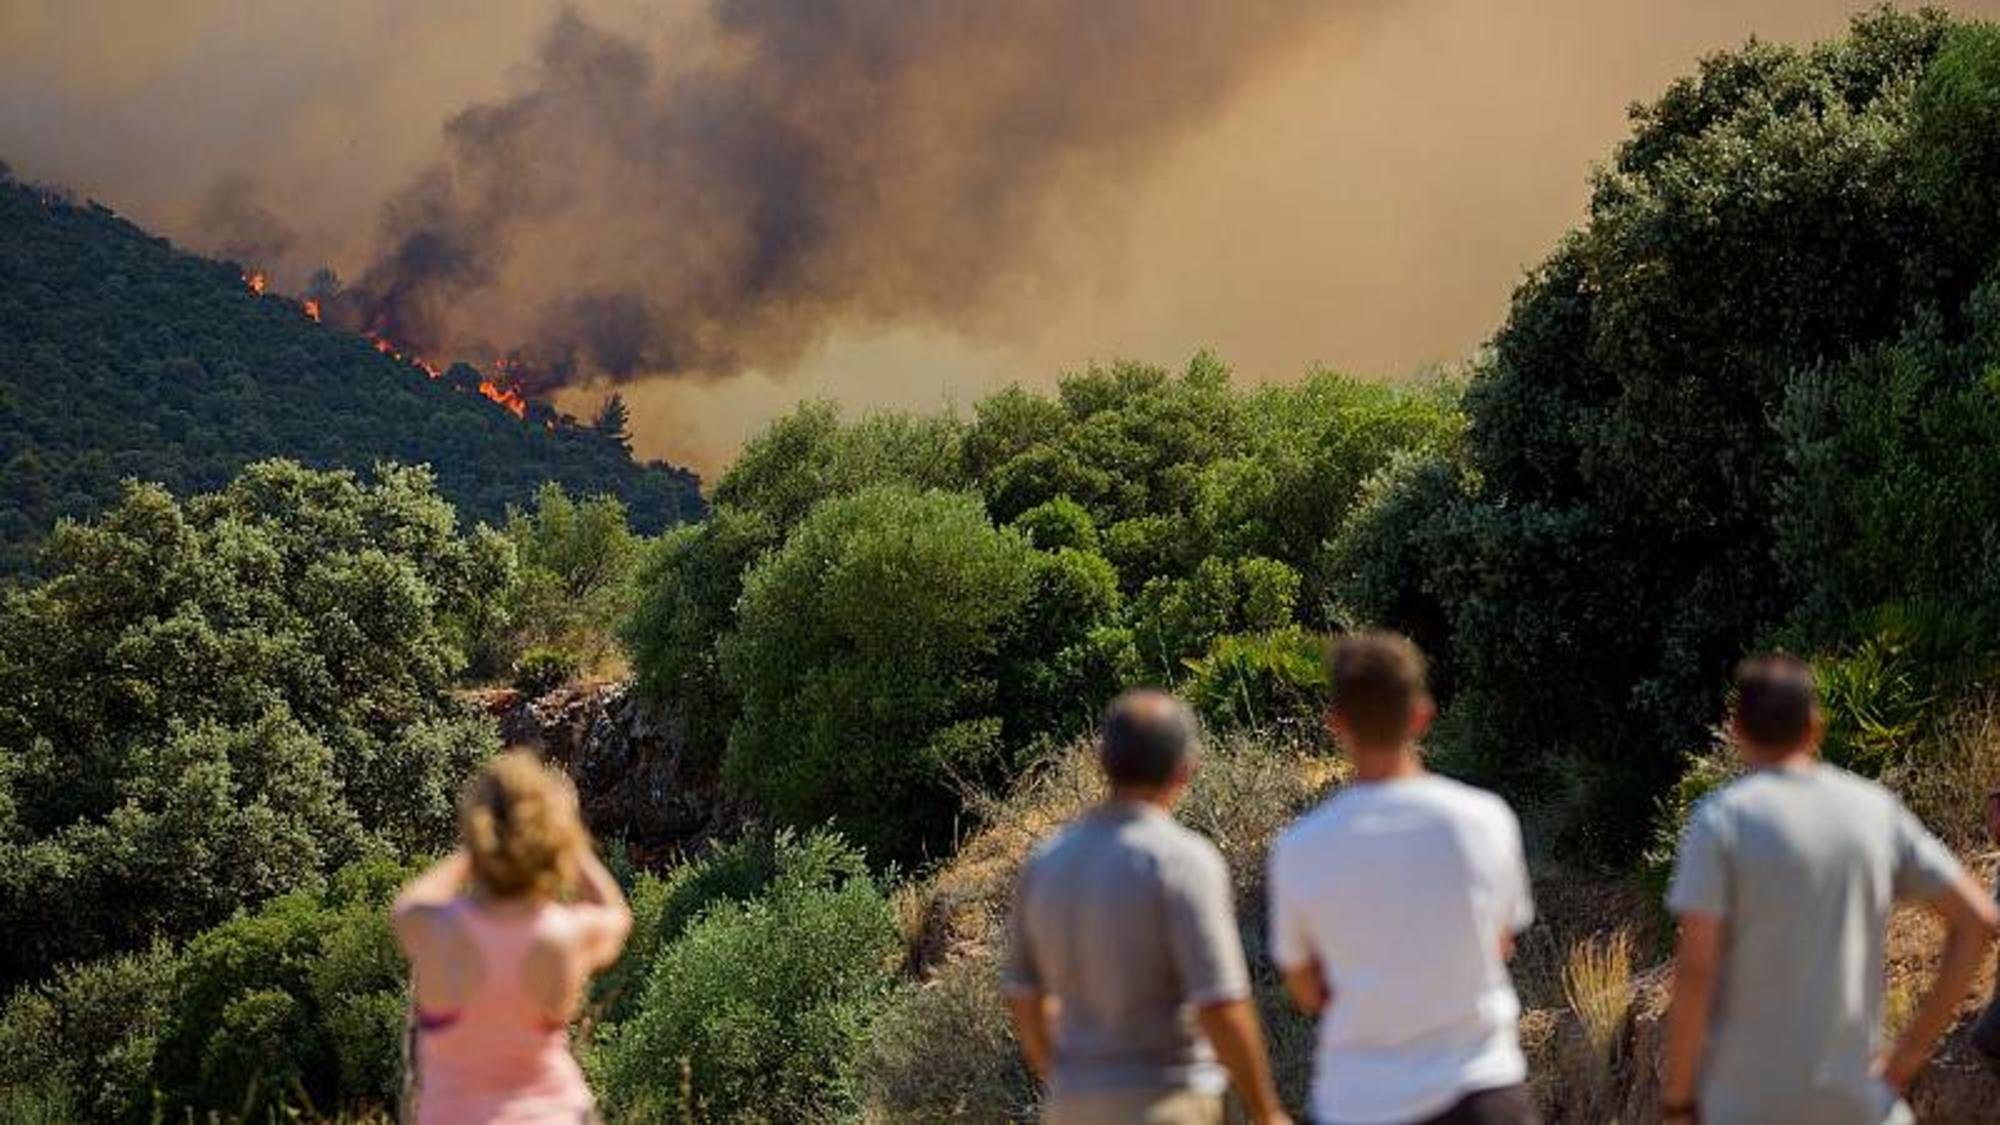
(759, 1010)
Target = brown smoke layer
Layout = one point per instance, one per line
(708, 207)
(893, 204)
(233, 223)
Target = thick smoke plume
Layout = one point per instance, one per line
(236, 225)
(718, 202)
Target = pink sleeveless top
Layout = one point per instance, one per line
(497, 1057)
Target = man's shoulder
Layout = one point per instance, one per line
(1320, 820)
(1176, 843)
(1854, 786)
(1469, 799)
(1050, 850)
(1822, 782)
(1161, 838)
(1435, 794)
(1827, 795)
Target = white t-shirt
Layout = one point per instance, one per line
(1402, 892)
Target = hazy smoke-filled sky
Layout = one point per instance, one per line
(732, 204)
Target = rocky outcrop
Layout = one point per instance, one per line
(638, 780)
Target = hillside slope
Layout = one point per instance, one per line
(121, 356)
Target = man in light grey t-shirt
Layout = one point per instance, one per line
(1783, 887)
(1124, 972)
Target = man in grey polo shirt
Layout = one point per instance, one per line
(1783, 888)
(1125, 973)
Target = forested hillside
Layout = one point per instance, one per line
(121, 357)
(1754, 400)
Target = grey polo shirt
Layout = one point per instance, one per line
(1802, 865)
(1125, 917)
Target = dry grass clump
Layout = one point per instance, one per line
(1571, 907)
(1597, 988)
(1597, 985)
(1945, 783)
(1246, 790)
(943, 1050)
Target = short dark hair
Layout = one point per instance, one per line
(1378, 678)
(1776, 699)
(1146, 738)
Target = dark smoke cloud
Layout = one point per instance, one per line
(704, 207)
(233, 222)
(1050, 184)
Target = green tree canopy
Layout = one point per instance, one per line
(202, 703)
(124, 358)
(1772, 215)
(866, 655)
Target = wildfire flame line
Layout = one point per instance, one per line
(497, 386)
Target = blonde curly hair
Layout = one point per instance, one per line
(521, 827)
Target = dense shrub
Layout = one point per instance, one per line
(1384, 563)
(540, 671)
(1056, 668)
(664, 907)
(298, 1005)
(1774, 214)
(944, 1050)
(809, 456)
(1956, 132)
(759, 1009)
(1164, 510)
(1274, 680)
(573, 583)
(301, 1002)
(867, 658)
(1125, 441)
(1306, 452)
(1060, 524)
(1895, 494)
(1176, 619)
(86, 1038)
(688, 586)
(204, 703)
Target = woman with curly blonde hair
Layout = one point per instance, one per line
(502, 936)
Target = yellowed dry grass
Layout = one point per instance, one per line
(1597, 984)
(1946, 781)
(944, 1052)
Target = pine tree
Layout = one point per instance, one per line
(614, 420)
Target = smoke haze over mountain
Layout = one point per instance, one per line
(697, 212)
(732, 204)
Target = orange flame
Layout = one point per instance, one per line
(505, 396)
(498, 386)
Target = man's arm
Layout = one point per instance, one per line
(1307, 987)
(1232, 1027)
(1291, 944)
(1032, 1013)
(1970, 920)
(1697, 965)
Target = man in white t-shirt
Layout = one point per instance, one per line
(1394, 907)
